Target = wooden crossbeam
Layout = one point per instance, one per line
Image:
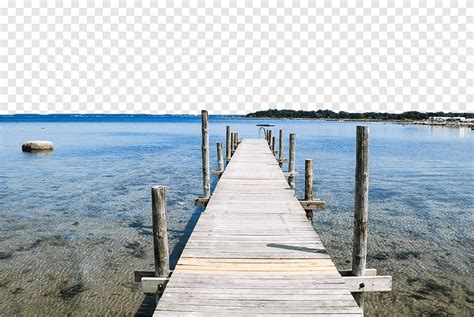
(367, 283)
(290, 174)
(138, 274)
(313, 204)
(358, 284)
(368, 272)
(154, 285)
(217, 172)
(201, 201)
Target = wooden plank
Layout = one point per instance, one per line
(180, 313)
(368, 283)
(368, 272)
(152, 284)
(262, 309)
(138, 274)
(201, 201)
(312, 204)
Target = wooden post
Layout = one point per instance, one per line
(291, 160)
(236, 140)
(280, 148)
(232, 142)
(273, 145)
(228, 145)
(269, 140)
(220, 159)
(206, 175)
(361, 210)
(308, 186)
(160, 234)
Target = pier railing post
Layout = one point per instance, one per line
(228, 145)
(308, 185)
(160, 234)
(269, 139)
(291, 161)
(361, 215)
(220, 159)
(206, 175)
(232, 142)
(273, 145)
(236, 140)
(280, 148)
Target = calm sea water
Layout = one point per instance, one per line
(75, 223)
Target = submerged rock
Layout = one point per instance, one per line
(33, 146)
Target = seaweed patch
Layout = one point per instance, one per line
(5, 255)
(68, 292)
(135, 249)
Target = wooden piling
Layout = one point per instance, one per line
(228, 145)
(220, 159)
(291, 161)
(308, 185)
(361, 204)
(280, 148)
(269, 139)
(160, 233)
(236, 140)
(232, 143)
(206, 174)
(273, 145)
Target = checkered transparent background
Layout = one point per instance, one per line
(235, 56)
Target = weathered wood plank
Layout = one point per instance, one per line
(152, 284)
(368, 283)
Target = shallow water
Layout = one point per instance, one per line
(75, 223)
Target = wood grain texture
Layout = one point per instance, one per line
(220, 159)
(206, 172)
(361, 205)
(291, 160)
(160, 233)
(228, 145)
(253, 252)
(280, 147)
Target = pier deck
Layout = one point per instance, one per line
(253, 252)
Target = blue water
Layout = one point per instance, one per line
(75, 223)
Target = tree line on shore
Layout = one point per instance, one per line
(329, 114)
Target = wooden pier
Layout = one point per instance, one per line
(253, 250)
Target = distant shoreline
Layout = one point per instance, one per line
(412, 117)
(411, 122)
(449, 119)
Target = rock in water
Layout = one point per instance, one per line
(33, 146)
